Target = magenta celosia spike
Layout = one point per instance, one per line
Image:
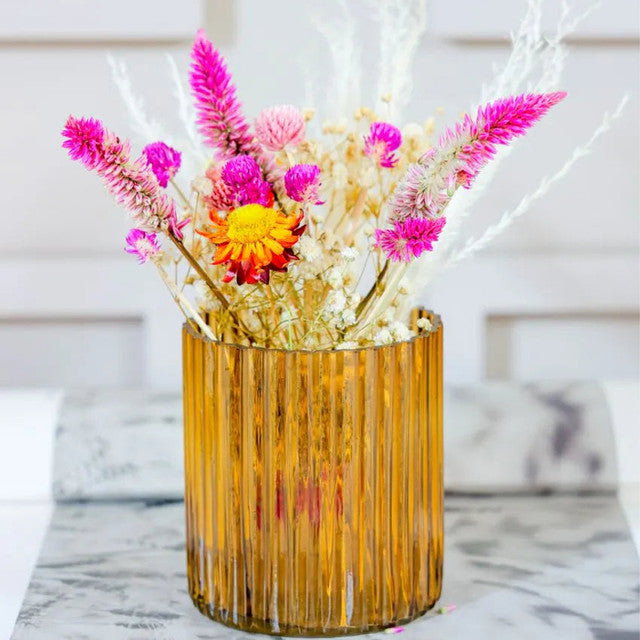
(219, 112)
(497, 123)
(462, 152)
(132, 182)
(83, 140)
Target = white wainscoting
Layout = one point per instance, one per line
(82, 20)
(556, 296)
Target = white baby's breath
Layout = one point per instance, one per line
(412, 130)
(382, 337)
(335, 302)
(348, 318)
(347, 344)
(400, 331)
(340, 175)
(350, 254)
(309, 249)
(334, 277)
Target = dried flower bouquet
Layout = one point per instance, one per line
(285, 240)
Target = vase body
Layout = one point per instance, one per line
(313, 484)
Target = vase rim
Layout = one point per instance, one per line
(416, 313)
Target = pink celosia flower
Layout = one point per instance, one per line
(142, 244)
(277, 127)
(409, 238)
(131, 182)
(243, 177)
(219, 112)
(382, 141)
(163, 160)
(83, 139)
(429, 184)
(497, 123)
(302, 182)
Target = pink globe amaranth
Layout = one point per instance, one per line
(163, 160)
(142, 244)
(278, 127)
(243, 178)
(302, 182)
(381, 142)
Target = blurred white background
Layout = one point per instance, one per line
(556, 297)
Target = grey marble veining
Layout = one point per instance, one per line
(517, 568)
(119, 443)
(498, 437)
(503, 436)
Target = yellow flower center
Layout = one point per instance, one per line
(250, 223)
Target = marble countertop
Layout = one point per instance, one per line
(112, 564)
(520, 567)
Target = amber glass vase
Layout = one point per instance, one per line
(314, 501)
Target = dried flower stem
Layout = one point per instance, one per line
(374, 288)
(216, 292)
(183, 302)
(355, 213)
(382, 301)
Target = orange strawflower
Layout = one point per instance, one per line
(253, 240)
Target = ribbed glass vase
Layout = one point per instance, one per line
(314, 496)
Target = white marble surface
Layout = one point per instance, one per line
(27, 420)
(623, 398)
(22, 529)
(554, 436)
(525, 568)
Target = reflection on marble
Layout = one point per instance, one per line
(543, 568)
(498, 437)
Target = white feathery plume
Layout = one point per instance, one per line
(526, 45)
(148, 130)
(186, 113)
(340, 35)
(535, 64)
(402, 23)
(194, 154)
(473, 245)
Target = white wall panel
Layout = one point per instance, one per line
(61, 257)
(570, 290)
(561, 347)
(67, 352)
(492, 19)
(51, 204)
(65, 20)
